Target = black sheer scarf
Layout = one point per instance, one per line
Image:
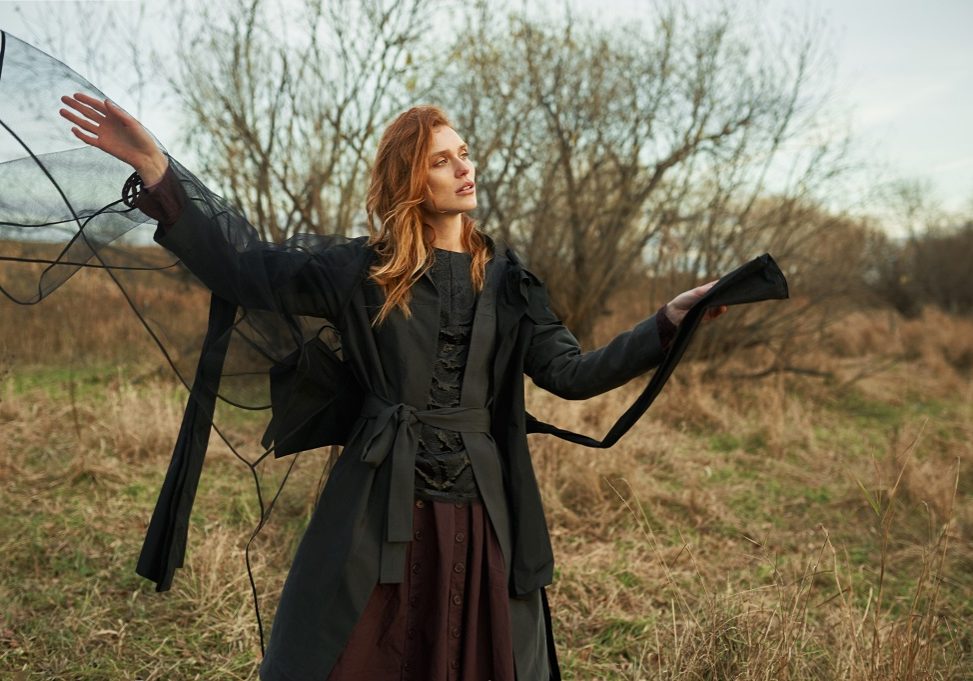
(62, 211)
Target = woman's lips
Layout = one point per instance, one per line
(468, 189)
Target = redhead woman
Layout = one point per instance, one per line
(427, 553)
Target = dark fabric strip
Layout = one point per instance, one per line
(757, 280)
(165, 541)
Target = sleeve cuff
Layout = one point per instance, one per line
(667, 330)
(164, 200)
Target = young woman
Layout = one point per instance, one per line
(427, 554)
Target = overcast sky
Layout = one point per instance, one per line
(904, 71)
(907, 68)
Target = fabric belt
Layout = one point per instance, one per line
(395, 434)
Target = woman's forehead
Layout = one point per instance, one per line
(444, 137)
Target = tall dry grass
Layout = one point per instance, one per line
(791, 526)
(787, 527)
(89, 318)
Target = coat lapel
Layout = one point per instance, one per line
(482, 335)
(511, 307)
(423, 328)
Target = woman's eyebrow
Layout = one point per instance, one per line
(446, 151)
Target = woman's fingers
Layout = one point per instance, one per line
(93, 102)
(93, 141)
(80, 122)
(83, 109)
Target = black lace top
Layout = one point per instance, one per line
(443, 470)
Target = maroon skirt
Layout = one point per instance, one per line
(449, 620)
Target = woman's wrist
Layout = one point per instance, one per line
(152, 169)
(671, 317)
(163, 201)
(667, 328)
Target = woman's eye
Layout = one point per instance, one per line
(439, 162)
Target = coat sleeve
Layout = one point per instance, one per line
(223, 250)
(164, 200)
(556, 362)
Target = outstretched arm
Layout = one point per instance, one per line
(214, 241)
(224, 252)
(556, 363)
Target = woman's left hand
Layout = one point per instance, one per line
(677, 308)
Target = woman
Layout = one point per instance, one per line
(427, 554)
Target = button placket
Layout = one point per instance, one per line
(412, 641)
(457, 588)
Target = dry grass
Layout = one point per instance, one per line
(781, 528)
(790, 527)
(90, 319)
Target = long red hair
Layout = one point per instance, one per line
(395, 193)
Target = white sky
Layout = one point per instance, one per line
(906, 68)
(904, 72)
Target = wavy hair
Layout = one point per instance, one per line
(395, 193)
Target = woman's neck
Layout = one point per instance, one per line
(447, 231)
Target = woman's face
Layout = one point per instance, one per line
(450, 182)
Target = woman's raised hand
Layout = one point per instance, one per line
(114, 131)
(677, 308)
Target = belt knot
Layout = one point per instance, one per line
(408, 414)
(394, 434)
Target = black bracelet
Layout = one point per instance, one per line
(132, 189)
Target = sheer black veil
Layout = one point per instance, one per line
(62, 211)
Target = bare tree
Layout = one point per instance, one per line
(105, 42)
(686, 143)
(285, 110)
(601, 149)
(929, 262)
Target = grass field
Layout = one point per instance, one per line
(790, 527)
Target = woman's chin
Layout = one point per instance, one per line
(462, 204)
